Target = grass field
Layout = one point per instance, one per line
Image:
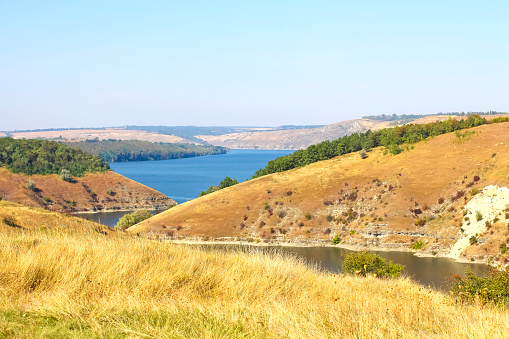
(78, 282)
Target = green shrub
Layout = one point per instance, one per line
(352, 232)
(129, 220)
(307, 216)
(503, 248)
(493, 288)
(418, 245)
(472, 240)
(336, 240)
(364, 263)
(478, 216)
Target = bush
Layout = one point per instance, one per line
(307, 216)
(31, 185)
(478, 216)
(10, 221)
(65, 175)
(418, 245)
(493, 288)
(503, 248)
(364, 263)
(336, 240)
(363, 154)
(129, 220)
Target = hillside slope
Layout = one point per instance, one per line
(107, 191)
(413, 198)
(17, 218)
(63, 279)
(292, 139)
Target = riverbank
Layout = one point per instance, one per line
(322, 244)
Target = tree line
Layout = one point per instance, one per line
(112, 150)
(33, 156)
(392, 138)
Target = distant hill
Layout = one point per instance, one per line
(432, 197)
(101, 133)
(293, 138)
(136, 150)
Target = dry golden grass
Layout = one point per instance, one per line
(81, 283)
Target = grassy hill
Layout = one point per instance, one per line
(78, 282)
(107, 191)
(414, 199)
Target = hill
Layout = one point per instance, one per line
(107, 191)
(102, 134)
(136, 150)
(420, 198)
(28, 175)
(63, 281)
(292, 138)
(18, 218)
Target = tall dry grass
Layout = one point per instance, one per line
(70, 283)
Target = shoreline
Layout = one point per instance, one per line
(357, 248)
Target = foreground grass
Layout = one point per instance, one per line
(87, 284)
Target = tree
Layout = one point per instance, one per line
(129, 220)
(31, 185)
(364, 263)
(227, 182)
(65, 175)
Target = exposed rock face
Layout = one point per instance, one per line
(479, 214)
(292, 139)
(94, 192)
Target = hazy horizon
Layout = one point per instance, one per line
(224, 63)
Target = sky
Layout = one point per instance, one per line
(94, 63)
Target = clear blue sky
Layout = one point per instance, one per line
(110, 63)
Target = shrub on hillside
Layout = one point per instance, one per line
(493, 288)
(65, 175)
(129, 220)
(31, 185)
(364, 263)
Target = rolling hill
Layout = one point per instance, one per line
(107, 191)
(294, 138)
(435, 197)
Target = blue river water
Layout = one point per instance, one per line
(184, 179)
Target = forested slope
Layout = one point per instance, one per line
(137, 150)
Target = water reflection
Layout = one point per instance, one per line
(432, 272)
